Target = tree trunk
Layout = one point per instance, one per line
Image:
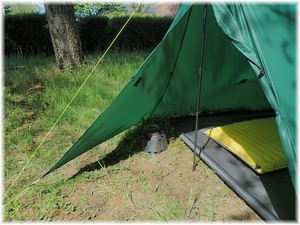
(64, 34)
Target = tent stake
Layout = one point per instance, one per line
(199, 84)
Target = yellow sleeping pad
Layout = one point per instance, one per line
(256, 142)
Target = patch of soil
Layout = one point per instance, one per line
(159, 187)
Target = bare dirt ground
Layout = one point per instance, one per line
(147, 188)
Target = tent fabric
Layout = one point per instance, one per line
(266, 35)
(255, 141)
(166, 83)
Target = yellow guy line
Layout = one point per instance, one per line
(66, 108)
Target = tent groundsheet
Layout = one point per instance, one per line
(271, 195)
(256, 142)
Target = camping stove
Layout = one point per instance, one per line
(155, 140)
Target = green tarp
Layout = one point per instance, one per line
(266, 35)
(243, 41)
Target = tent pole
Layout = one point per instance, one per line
(199, 84)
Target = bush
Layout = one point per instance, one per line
(139, 33)
(92, 31)
(29, 34)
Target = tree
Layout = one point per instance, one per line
(99, 9)
(142, 8)
(18, 8)
(7, 9)
(64, 34)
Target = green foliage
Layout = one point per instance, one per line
(7, 9)
(26, 34)
(18, 8)
(140, 33)
(99, 9)
(141, 9)
(92, 31)
(29, 35)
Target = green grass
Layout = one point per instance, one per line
(35, 95)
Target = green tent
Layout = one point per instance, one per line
(248, 64)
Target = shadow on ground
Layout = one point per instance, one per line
(130, 144)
